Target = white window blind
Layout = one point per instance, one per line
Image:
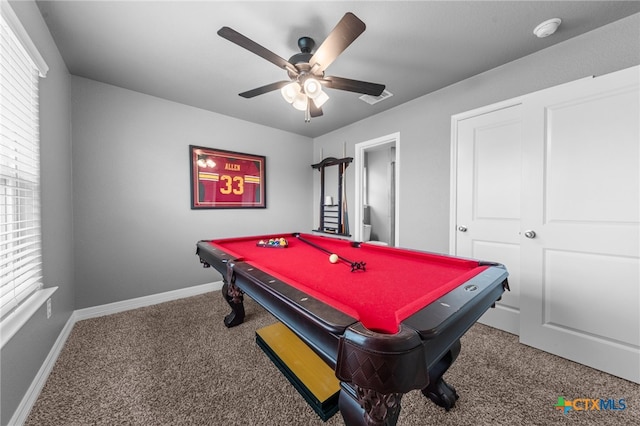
(20, 237)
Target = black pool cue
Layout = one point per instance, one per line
(355, 266)
(345, 210)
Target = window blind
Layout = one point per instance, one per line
(20, 236)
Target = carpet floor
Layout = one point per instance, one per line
(176, 364)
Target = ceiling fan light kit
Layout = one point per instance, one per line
(320, 99)
(306, 70)
(300, 102)
(312, 87)
(290, 91)
(297, 95)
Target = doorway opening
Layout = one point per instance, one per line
(377, 209)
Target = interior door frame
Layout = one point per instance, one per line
(360, 149)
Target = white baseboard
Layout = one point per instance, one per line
(30, 397)
(141, 302)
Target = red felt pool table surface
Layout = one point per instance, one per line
(396, 283)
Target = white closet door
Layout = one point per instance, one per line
(488, 201)
(581, 197)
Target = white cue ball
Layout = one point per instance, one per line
(333, 258)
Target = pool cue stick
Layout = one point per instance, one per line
(345, 213)
(345, 209)
(355, 266)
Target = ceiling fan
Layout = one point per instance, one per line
(306, 69)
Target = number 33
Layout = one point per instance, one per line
(229, 187)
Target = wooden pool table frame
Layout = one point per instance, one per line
(375, 369)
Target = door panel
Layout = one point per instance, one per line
(496, 162)
(591, 168)
(488, 201)
(573, 304)
(580, 179)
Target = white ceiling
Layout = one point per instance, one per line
(170, 49)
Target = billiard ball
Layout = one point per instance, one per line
(333, 258)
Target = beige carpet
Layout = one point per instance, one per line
(176, 364)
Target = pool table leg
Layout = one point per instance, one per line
(439, 391)
(233, 295)
(366, 407)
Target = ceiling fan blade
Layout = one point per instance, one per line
(264, 89)
(357, 86)
(242, 41)
(314, 110)
(347, 30)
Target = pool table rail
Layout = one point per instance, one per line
(375, 368)
(314, 321)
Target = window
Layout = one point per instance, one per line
(20, 236)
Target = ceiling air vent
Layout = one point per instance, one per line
(375, 99)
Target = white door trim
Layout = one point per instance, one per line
(360, 149)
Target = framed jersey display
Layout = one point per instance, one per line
(226, 179)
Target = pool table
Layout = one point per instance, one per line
(387, 320)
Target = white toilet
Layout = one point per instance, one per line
(366, 236)
(366, 232)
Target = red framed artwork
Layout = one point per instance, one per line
(226, 179)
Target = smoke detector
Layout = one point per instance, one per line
(547, 28)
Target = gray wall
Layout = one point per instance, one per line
(129, 217)
(424, 124)
(23, 355)
(135, 233)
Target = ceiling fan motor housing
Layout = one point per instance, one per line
(306, 44)
(301, 60)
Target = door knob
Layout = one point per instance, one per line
(530, 234)
(462, 228)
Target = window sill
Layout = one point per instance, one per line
(11, 324)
